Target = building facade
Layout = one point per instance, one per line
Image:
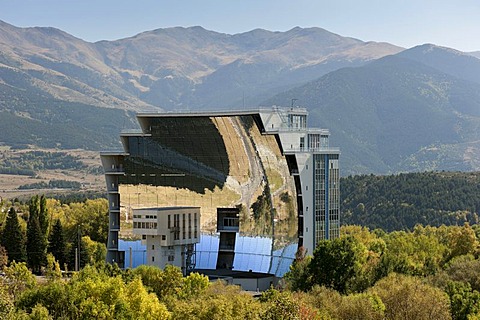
(263, 182)
(170, 234)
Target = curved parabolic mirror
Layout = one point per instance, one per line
(214, 162)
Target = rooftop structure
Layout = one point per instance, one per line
(263, 182)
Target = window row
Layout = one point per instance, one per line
(139, 216)
(144, 225)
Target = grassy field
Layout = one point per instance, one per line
(84, 168)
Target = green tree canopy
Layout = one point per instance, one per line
(165, 283)
(338, 264)
(19, 278)
(43, 216)
(91, 217)
(218, 302)
(3, 257)
(36, 239)
(92, 294)
(406, 297)
(464, 302)
(13, 238)
(57, 245)
(412, 253)
(279, 305)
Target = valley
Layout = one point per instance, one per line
(78, 166)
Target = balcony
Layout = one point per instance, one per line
(116, 170)
(311, 150)
(294, 172)
(226, 247)
(228, 224)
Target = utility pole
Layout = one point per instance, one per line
(76, 259)
(130, 257)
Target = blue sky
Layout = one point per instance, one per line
(406, 23)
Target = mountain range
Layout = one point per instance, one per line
(397, 114)
(389, 109)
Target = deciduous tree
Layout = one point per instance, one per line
(19, 278)
(360, 306)
(415, 253)
(78, 246)
(462, 240)
(193, 285)
(6, 302)
(279, 305)
(91, 216)
(165, 283)
(92, 294)
(218, 302)
(338, 264)
(298, 278)
(406, 297)
(464, 302)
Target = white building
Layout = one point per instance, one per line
(169, 233)
(315, 168)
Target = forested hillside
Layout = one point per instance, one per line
(30, 117)
(395, 115)
(399, 202)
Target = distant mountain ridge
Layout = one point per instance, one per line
(388, 109)
(177, 67)
(52, 82)
(397, 114)
(475, 54)
(456, 63)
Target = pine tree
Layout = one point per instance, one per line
(57, 245)
(43, 216)
(13, 238)
(36, 241)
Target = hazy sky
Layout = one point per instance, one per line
(407, 23)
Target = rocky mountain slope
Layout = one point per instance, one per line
(388, 109)
(176, 67)
(398, 114)
(61, 66)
